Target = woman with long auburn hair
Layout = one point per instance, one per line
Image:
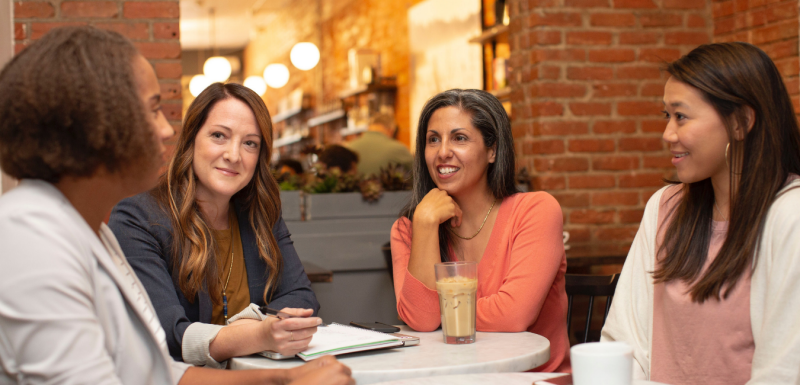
(465, 207)
(709, 292)
(209, 242)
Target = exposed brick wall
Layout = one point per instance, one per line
(151, 25)
(772, 25)
(587, 99)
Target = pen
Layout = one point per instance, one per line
(275, 313)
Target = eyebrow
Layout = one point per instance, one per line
(155, 98)
(229, 129)
(453, 131)
(675, 104)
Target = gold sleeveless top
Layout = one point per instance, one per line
(229, 246)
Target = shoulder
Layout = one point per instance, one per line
(402, 226)
(783, 214)
(140, 211)
(538, 201)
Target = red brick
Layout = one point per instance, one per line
(641, 144)
(631, 216)
(574, 54)
(169, 70)
(661, 20)
(166, 31)
(722, 9)
(612, 20)
(654, 125)
(608, 90)
(653, 89)
(561, 164)
(696, 21)
(590, 108)
(159, 50)
(590, 73)
(640, 4)
(587, 3)
(615, 162)
(151, 10)
(556, 19)
(772, 14)
(638, 72)
(170, 91)
(173, 111)
(686, 38)
(781, 49)
(740, 5)
(659, 55)
(39, 29)
(788, 67)
(550, 72)
(548, 183)
(577, 234)
(591, 181)
(133, 31)
(533, 4)
(89, 9)
(591, 216)
(561, 90)
(33, 9)
(639, 108)
(18, 47)
(614, 198)
(662, 161)
(19, 31)
(547, 109)
(775, 32)
(684, 4)
(638, 38)
(611, 55)
(614, 126)
(588, 38)
(591, 145)
(545, 37)
(626, 233)
(560, 128)
(641, 180)
(536, 147)
(572, 200)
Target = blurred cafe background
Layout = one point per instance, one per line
(580, 80)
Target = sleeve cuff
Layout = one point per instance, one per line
(195, 346)
(421, 296)
(250, 312)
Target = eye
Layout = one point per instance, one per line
(461, 138)
(433, 139)
(680, 116)
(251, 144)
(217, 135)
(666, 114)
(156, 110)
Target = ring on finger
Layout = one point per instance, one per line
(291, 336)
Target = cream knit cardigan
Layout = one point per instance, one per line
(774, 294)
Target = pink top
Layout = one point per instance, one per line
(709, 343)
(520, 276)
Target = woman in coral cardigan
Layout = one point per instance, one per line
(465, 207)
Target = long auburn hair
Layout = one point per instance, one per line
(491, 119)
(731, 77)
(193, 247)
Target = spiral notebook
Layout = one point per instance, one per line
(335, 339)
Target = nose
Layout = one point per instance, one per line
(164, 130)
(670, 132)
(232, 151)
(444, 150)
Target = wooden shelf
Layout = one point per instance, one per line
(489, 34)
(501, 94)
(286, 114)
(326, 117)
(286, 139)
(383, 84)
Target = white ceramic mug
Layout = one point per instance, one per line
(602, 363)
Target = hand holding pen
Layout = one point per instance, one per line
(289, 330)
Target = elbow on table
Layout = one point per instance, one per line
(417, 324)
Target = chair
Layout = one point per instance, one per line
(592, 286)
(387, 256)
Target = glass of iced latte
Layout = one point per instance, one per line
(457, 284)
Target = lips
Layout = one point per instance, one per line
(227, 171)
(680, 155)
(447, 170)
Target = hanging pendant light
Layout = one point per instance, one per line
(257, 84)
(276, 75)
(217, 69)
(304, 56)
(198, 84)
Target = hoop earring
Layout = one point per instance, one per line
(727, 146)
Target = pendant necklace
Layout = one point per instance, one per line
(479, 229)
(225, 288)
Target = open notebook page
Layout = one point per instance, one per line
(339, 339)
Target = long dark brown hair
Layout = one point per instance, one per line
(491, 119)
(732, 77)
(193, 246)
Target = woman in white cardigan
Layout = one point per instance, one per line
(81, 125)
(710, 291)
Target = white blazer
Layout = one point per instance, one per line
(71, 310)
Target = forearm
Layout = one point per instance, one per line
(424, 252)
(201, 376)
(240, 339)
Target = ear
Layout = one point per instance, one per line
(493, 153)
(750, 120)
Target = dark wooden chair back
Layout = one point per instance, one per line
(387, 256)
(591, 286)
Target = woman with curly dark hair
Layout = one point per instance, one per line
(81, 125)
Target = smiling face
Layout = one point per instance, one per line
(226, 151)
(150, 93)
(455, 153)
(696, 134)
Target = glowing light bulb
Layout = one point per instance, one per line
(217, 68)
(257, 84)
(276, 75)
(198, 84)
(304, 56)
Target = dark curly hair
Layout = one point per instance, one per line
(70, 105)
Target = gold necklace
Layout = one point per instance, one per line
(719, 211)
(230, 269)
(479, 229)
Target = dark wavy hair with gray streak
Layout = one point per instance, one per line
(491, 119)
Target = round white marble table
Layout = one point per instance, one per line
(489, 378)
(491, 353)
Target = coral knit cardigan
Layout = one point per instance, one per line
(520, 276)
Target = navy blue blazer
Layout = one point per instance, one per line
(144, 232)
